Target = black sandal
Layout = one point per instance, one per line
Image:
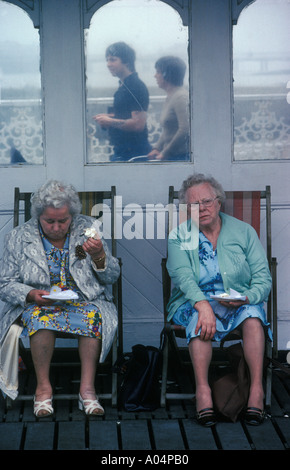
(254, 416)
(206, 417)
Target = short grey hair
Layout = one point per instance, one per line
(55, 194)
(199, 178)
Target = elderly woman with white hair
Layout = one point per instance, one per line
(50, 257)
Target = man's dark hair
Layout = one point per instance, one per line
(124, 52)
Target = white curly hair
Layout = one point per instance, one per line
(199, 178)
(55, 194)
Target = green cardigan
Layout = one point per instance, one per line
(241, 257)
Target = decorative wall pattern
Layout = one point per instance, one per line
(262, 129)
(21, 139)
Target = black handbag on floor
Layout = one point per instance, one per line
(140, 388)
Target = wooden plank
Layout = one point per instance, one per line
(135, 435)
(190, 408)
(284, 427)
(128, 415)
(167, 435)
(71, 435)
(39, 436)
(62, 386)
(15, 407)
(281, 394)
(232, 436)
(110, 413)
(10, 436)
(103, 435)
(28, 414)
(176, 410)
(265, 437)
(76, 413)
(275, 407)
(198, 437)
(14, 413)
(160, 413)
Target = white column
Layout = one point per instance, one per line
(63, 75)
(211, 86)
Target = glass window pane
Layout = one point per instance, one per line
(261, 77)
(20, 89)
(136, 109)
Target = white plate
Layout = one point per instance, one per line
(227, 299)
(60, 297)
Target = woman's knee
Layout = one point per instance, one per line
(252, 322)
(253, 328)
(43, 336)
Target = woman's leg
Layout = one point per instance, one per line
(254, 346)
(89, 351)
(42, 346)
(201, 354)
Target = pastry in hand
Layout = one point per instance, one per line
(91, 233)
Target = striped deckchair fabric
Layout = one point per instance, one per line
(89, 199)
(245, 206)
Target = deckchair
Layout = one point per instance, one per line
(246, 206)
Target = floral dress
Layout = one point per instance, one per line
(73, 316)
(211, 283)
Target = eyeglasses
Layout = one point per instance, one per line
(205, 202)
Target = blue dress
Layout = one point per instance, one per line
(74, 316)
(211, 283)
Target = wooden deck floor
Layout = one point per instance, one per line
(172, 429)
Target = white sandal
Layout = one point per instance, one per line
(89, 406)
(45, 405)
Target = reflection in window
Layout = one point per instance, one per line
(261, 77)
(20, 105)
(133, 108)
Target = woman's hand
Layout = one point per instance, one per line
(94, 247)
(35, 297)
(206, 320)
(234, 303)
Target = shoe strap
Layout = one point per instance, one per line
(44, 405)
(205, 412)
(91, 405)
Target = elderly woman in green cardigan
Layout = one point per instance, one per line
(209, 256)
